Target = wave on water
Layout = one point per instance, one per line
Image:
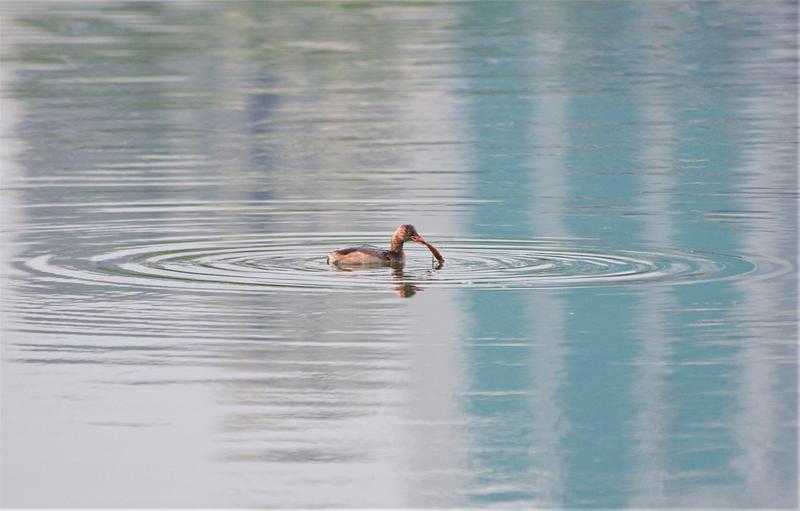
(297, 262)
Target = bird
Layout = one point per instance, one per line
(372, 255)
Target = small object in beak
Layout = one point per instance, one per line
(433, 250)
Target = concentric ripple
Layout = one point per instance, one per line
(297, 261)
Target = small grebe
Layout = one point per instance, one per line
(369, 254)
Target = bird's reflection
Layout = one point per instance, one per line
(402, 281)
(402, 287)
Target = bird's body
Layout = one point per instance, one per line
(372, 255)
(365, 254)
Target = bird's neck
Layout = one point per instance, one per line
(397, 244)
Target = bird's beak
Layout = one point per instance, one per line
(418, 239)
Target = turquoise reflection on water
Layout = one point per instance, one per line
(613, 185)
(599, 346)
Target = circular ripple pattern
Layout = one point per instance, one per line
(297, 262)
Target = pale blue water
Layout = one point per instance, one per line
(613, 185)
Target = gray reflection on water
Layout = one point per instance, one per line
(316, 408)
(546, 216)
(767, 386)
(652, 363)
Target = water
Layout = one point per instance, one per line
(613, 186)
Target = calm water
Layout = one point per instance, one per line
(613, 184)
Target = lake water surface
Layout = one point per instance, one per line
(613, 185)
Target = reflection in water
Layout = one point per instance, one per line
(613, 184)
(765, 431)
(652, 362)
(402, 287)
